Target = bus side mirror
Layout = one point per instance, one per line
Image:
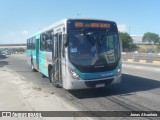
(65, 40)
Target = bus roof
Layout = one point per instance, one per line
(63, 22)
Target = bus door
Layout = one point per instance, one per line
(57, 60)
(37, 53)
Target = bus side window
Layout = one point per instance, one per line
(31, 43)
(49, 45)
(48, 41)
(34, 41)
(42, 43)
(27, 43)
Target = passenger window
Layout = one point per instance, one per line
(42, 42)
(49, 45)
(33, 43)
(27, 43)
(48, 41)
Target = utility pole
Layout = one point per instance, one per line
(129, 30)
(78, 15)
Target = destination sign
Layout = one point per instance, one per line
(92, 25)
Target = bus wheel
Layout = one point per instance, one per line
(32, 67)
(52, 79)
(43, 76)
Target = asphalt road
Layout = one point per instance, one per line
(138, 91)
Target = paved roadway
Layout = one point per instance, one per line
(138, 91)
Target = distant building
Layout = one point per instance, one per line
(137, 39)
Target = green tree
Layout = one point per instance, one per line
(151, 38)
(127, 42)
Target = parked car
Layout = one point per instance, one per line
(5, 53)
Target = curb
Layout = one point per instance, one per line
(155, 62)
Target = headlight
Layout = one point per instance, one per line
(118, 71)
(74, 74)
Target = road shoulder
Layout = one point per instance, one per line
(19, 95)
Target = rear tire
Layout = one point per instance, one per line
(32, 67)
(43, 76)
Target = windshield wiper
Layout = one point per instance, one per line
(103, 39)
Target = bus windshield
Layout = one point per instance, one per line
(93, 47)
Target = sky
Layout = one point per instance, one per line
(21, 18)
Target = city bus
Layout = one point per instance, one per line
(77, 53)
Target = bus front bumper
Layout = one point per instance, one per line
(98, 83)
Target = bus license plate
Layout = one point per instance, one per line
(100, 85)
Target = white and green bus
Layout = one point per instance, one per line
(77, 53)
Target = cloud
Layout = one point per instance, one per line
(25, 32)
(122, 28)
(11, 35)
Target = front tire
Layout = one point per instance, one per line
(52, 79)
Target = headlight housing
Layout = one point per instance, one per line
(73, 74)
(118, 70)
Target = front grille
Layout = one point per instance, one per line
(94, 83)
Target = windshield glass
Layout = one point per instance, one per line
(93, 47)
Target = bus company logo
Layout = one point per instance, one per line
(6, 114)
